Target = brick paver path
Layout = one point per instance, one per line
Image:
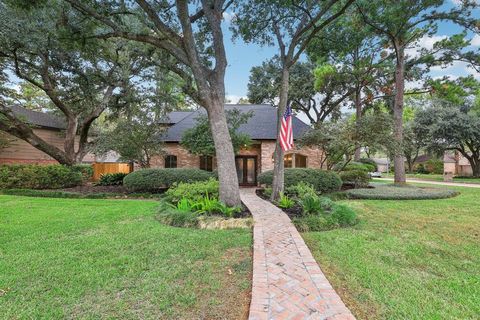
(287, 281)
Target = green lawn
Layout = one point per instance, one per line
(110, 259)
(407, 259)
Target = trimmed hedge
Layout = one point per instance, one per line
(355, 178)
(370, 162)
(85, 169)
(153, 180)
(322, 181)
(367, 167)
(111, 179)
(74, 195)
(39, 177)
(390, 192)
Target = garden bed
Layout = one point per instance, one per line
(408, 192)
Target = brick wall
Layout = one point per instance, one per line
(263, 150)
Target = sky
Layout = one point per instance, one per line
(242, 57)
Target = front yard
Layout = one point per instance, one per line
(65, 258)
(406, 259)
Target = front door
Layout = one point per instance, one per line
(246, 170)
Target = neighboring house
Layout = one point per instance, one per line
(383, 164)
(262, 129)
(455, 163)
(48, 127)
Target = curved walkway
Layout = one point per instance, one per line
(287, 281)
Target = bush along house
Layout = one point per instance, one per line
(250, 161)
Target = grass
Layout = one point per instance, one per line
(407, 259)
(110, 259)
(435, 177)
(408, 192)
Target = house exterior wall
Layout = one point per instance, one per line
(21, 152)
(262, 149)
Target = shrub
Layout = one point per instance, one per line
(192, 191)
(176, 218)
(370, 162)
(322, 181)
(341, 216)
(38, 177)
(434, 166)
(112, 179)
(390, 192)
(327, 204)
(85, 169)
(310, 204)
(301, 190)
(355, 178)
(153, 180)
(285, 202)
(354, 166)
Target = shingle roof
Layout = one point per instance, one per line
(175, 116)
(40, 119)
(261, 126)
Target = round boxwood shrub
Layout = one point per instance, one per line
(38, 177)
(391, 192)
(153, 180)
(370, 162)
(355, 178)
(322, 181)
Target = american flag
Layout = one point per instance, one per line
(286, 130)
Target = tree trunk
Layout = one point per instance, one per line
(358, 114)
(398, 158)
(475, 164)
(227, 172)
(69, 141)
(278, 166)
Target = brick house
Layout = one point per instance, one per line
(456, 164)
(47, 126)
(262, 129)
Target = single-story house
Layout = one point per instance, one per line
(47, 126)
(455, 163)
(250, 161)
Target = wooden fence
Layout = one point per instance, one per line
(100, 168)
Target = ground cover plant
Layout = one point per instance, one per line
(394, 192)
(406, 259)
(311, 212)
(107, 194)
(92, 259)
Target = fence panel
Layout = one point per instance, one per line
(100, 168)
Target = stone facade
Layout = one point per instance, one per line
(263, 150)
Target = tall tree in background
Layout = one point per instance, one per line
(190, 33)
(349, 51)
(80, 80)
(303, 95)
(403, 23)
(291, 26)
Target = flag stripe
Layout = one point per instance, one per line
(286, 131)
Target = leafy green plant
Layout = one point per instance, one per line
(301, 190)
(206, 205)
(311, 204)
(184, 205)
(112, 179)
(285, 202)
(227, 211)
(192, 191)
(327, 204)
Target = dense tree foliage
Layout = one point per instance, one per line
(198, 140)
(78, 80)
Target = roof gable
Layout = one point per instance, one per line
(261, 126)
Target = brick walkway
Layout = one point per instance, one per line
(287, 281)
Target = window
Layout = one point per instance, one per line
(300, 161)
(288, 161)
(170, 161)
(206, 163)
(294, 160)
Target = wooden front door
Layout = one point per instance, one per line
(246, 170)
